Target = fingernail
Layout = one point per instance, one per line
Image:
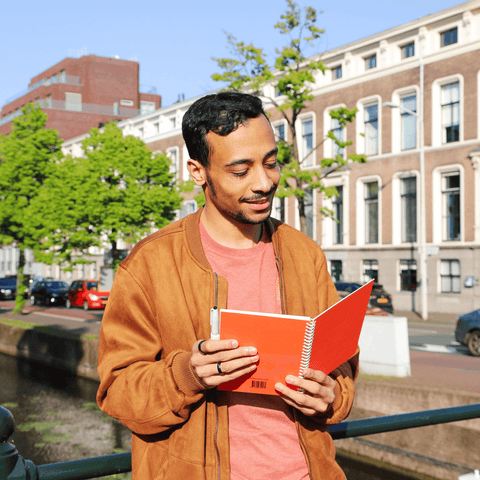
(251, 350)
(290, 378)
(234, 344)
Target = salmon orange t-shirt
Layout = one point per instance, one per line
(263, 437)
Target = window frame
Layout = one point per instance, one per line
(443, 37)
(371, 122)
(368, 62)
(450, 275)
(404, 50)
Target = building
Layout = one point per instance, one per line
(375, 233)
(85, 92)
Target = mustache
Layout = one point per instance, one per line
(259, 196)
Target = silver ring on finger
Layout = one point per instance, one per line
(219, 368)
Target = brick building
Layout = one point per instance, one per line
(378, 207)
(80, 93)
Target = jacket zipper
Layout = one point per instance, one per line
(216, 405)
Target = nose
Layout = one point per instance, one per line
(262, 183)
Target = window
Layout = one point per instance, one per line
(49, 102)
(173, 122)
(450, 102)
(371, 212)
(337, 72)
(173, 156)
(408, 275)
(336, 270)
(115, 108)
(93, 270)
(309, 214)
(146, 107)
(409, 209)
(371, 62)
(140, 132)
(370, 270)
(73, 102)
(408, 50)
(450, 276)
(63, 77)
(449, 37)
(156, 127)
(409, 122)
(339, 133)
(338, 216)
(371, 129)
(55, 78)
(307, 142)
(188, 207)
(280, 209)
(279, 132)
(451, 206)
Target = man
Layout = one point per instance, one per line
(157, 364)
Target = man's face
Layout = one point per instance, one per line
(243, 173)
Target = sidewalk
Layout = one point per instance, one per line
(434, 317)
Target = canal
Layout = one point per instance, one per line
(57, 419)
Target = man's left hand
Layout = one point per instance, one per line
(318, 389)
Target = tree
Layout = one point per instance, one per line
(28, 155)
(118, 190)
(293, 76)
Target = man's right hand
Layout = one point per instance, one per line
(234, 361)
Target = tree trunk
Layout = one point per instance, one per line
(301, 213)
(21, 284)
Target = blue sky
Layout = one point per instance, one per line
(173, 40)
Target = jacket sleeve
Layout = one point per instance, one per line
(346, 374)
(144, 389)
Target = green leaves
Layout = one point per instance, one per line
(293, 75)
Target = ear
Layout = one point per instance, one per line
(197, 172)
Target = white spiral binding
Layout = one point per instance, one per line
(307, 348)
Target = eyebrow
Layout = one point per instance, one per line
(272, 152)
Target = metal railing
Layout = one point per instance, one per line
(46, 82)
(14, 467)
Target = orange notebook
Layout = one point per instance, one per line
(287, 343)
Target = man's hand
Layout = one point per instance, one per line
(318, 389)
(223, 355)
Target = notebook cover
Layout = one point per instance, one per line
(279, 340)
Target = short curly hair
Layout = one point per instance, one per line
(221, 113)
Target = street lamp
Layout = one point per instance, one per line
(423, 227)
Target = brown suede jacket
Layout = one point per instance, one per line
(158, 308)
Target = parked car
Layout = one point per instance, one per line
(467, 331)
(49, 292)
(378, 298)
(371, 310)
(8, 288)
(88, 294)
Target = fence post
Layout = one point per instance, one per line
(12, 465)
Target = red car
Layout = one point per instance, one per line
(87, 293)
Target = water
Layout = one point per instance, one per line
(56, 419)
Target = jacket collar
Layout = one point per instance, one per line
(194, 241)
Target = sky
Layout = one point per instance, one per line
(174, 41)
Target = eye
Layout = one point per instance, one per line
(240, 174)
(272, 164)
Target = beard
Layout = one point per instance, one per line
(238, 215)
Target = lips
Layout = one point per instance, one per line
(260, 204)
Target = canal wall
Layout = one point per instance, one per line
(436, 452)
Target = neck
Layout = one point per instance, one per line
(230, 233)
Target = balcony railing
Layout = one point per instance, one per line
(45, 82)
(16, 468)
